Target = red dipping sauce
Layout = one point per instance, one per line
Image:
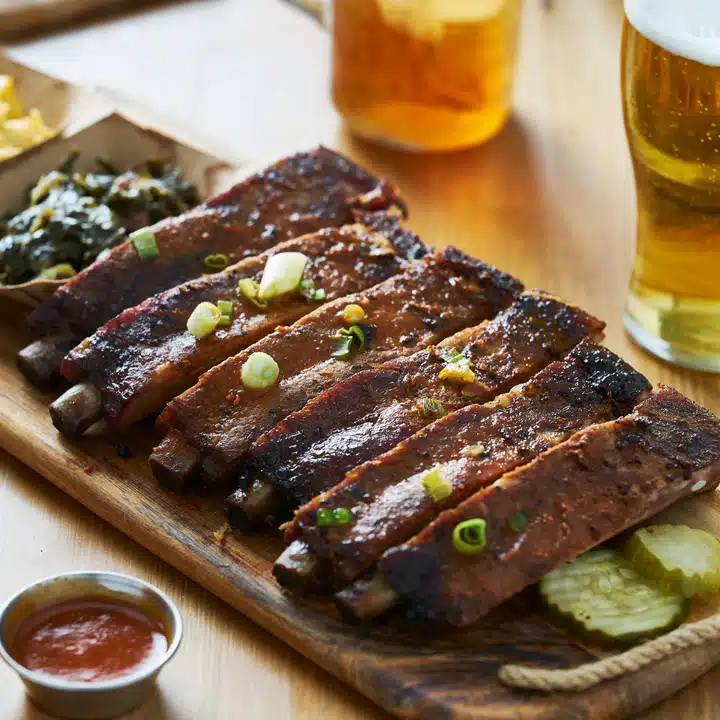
(88, 640)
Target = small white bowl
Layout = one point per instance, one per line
(90, 700)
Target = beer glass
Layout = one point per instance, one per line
(671, 103)
(424, 74)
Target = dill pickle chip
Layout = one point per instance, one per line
(677, 558)
(606, 600)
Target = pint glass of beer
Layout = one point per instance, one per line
(424, 74)
(671, 102)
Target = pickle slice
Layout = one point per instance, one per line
(606, 600)
(677, 558)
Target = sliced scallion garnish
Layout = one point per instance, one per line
(283, 273)
(469, 536)
(225, 307)
(457, 368)
(310, 292)
(203, 320)
(438, 486)
(325, 517)
(356, 337)
(216, 262)
(478, 450)
(58, 272)
(224, 321)
(249, 289)
(145, 244)
(353, 314)
(343, 348)
(259, 371)
(432, 409)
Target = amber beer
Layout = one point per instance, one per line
(424, 74)
(671, 102)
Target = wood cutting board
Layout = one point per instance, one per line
(410, 672)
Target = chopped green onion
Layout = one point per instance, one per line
(437, 486)
(259, 371)
(216, 262)
(457, 368)
(145, 244)
(476, 451)
(325, 517)
(343, 348)
(432, 409)
(517, 522)
(354, 331)
(469, 536)
(224, 321)
(249, 289)
(225, 307)
(310, 292)
(203, 320)
(353, 314)
(283, 273)
(352, 338)
(58, 272)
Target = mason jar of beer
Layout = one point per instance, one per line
(424, 74)
(671, 103)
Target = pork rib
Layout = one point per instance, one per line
(213, 425)
(312, 450)
(471, 448)
(298, 195)
(600, 482)
(145, 356)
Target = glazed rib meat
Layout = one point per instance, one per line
(298, 195)
(600, 482)
(135, 364)
(386, 498)
(213, 425)
(311, 450)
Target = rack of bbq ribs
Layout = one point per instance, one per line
(425, 432)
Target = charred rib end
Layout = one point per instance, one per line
(77, 410)
(298, 569)
(367, 598)
(174, 462)
(256, 507)
(40, 361)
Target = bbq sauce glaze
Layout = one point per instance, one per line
(88, 640)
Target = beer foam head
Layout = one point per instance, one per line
(689, 28)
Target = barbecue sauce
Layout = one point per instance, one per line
(88, 640)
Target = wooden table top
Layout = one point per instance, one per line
(551, 200)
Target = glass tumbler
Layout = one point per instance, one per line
(671, 103)
(424, 74)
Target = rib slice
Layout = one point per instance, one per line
(472, 447)
(298, 195)
(312, 450)
(145, 356)
(216, 422)
(600, 482)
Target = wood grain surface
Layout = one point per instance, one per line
(550, 200)
(406, 668)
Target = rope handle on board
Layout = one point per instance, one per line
(590, 674)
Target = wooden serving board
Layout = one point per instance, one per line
(411, 672)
